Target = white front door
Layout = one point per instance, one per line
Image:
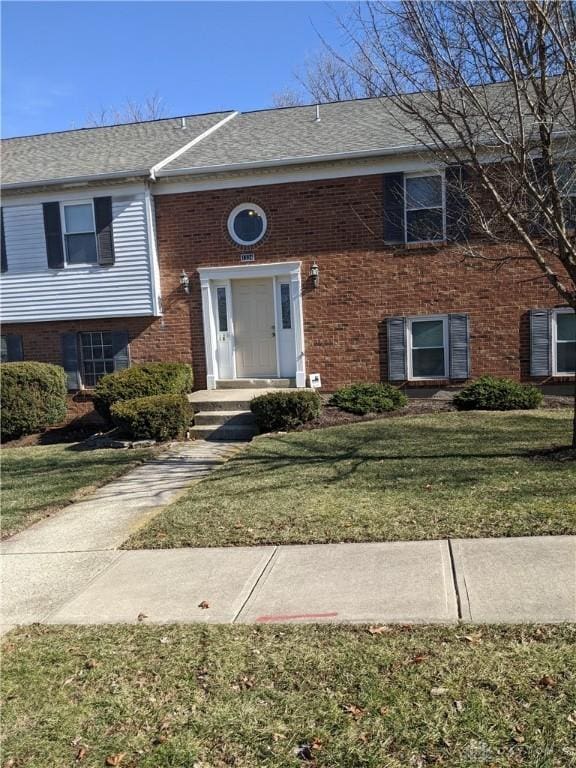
(254, 328)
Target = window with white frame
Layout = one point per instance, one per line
(424, 207)
(428, 347)
(564, 341)
(79, 233)
(97, 356)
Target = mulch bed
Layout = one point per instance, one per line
(333, 417)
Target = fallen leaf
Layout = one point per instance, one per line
(459, 706)
(546, 681)
(419, 658)
(473, 639)
(438, 691)
(81, 754)
(379, 630)
(316, 744)
(518, 739)
(204, 604)
(384, 710)
(115, 759)
(142, 616)
(163, 640)
(354, 710)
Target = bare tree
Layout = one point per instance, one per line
(131, 111)
(287, 97)
(486, 90)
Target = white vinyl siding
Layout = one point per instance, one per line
(31, 292)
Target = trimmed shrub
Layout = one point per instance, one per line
(157, 417)
(285, 409)
(368, 398)
(33, 397)
(492, 394)
(141, 381)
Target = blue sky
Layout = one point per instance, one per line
(63, 60)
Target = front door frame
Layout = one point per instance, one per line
(286, 269)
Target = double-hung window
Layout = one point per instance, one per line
(563, 342)
(97, 356)
(79, 233)
(428, 348)
(424, 207)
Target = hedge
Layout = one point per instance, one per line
(492, 394)
(368, 398)
(285, 409)
(156, 417)
(141, 381)
(33, 397)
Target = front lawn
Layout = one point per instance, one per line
(423, 477)
(285, 696)
(38, 480)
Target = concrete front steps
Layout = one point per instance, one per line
(255, 383)
(224, 413)
(224, 425)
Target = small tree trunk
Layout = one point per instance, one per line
(574, 420)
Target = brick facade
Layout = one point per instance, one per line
(338, 224)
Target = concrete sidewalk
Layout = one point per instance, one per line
(68, 569)
(478, 580)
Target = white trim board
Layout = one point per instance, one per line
(250, 270)
(259, 177)
(83, 191)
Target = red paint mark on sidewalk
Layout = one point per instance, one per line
(295, 616)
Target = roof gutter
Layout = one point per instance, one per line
(292, 160)
(72, 180)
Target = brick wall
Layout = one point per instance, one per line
(338, 224)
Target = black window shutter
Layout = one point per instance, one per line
(14, 348)
(457, 213)
(53, 235)
(540, 342)
(397, 362)
(459, 346)
(104, 235)
(120, 350)
(3, 242)
(394, 207)
(70, 361)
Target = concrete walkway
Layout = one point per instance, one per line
(68, 569)
(478, 580)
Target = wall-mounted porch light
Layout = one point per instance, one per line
(315, 275)
(185, 281)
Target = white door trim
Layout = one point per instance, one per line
(286, 269)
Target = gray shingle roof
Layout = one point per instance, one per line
(294, 132)
(96, 151)
(263, 137)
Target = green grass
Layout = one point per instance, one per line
(423, 477)
(37, 480)
(210, 697)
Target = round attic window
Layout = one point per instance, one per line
(247, 224)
